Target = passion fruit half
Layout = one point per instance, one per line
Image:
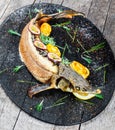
(54, 58)
(39, 45)
(33, 29)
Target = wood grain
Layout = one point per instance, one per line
(8, 112)
(4, 5)
(98, 12)
(109, 29)
(102, 14)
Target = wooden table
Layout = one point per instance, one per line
(102, 14)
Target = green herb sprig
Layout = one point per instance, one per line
(17, 68)
(101, 67)
(87, 58)
(62, 24)
(96, 47)
(86, 102)
(25, 81)
(47, 39)
(2, 71)
(104, 76)
(100, 96)
(10, 31)
(59, 102)
(39, 106)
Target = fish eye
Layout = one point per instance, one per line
(77, 87)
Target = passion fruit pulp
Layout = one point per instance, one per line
(54, 58)
(39, 45)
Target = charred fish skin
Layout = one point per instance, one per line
(77, 81)
(65, 79)
(68, 14)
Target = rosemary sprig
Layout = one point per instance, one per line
(25, 81)
(96, 47)
(10, 31)
(17, 68)
(55, 105)
(68, 32)
(74, 35)
(62, 24)
(2, 71)
(61, 99)
(101, 67)
(104, 76)
(81, 45)
(87, 58)
(59, 102)
(84, 101)
(59, 47)
(63, 53)
(39, 106)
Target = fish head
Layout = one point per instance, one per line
(77, 81)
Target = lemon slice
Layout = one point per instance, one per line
(86, 95)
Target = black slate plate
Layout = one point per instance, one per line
(73, 111)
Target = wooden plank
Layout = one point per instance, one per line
(98, 12)
(30, 122)
(107, 117)
(3, 6)
(14, 4)
(26, 122)
(78, 5)
(104, 121)
(109, 30)
(8, 112)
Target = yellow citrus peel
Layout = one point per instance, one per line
(80, 69)
(84, 95)
(46, 29)
(53, 49)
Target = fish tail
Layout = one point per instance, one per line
(37, 89)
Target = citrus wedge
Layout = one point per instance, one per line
(84, 95)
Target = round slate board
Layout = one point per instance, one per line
(73, 111)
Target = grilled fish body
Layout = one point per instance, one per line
(54, 76)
